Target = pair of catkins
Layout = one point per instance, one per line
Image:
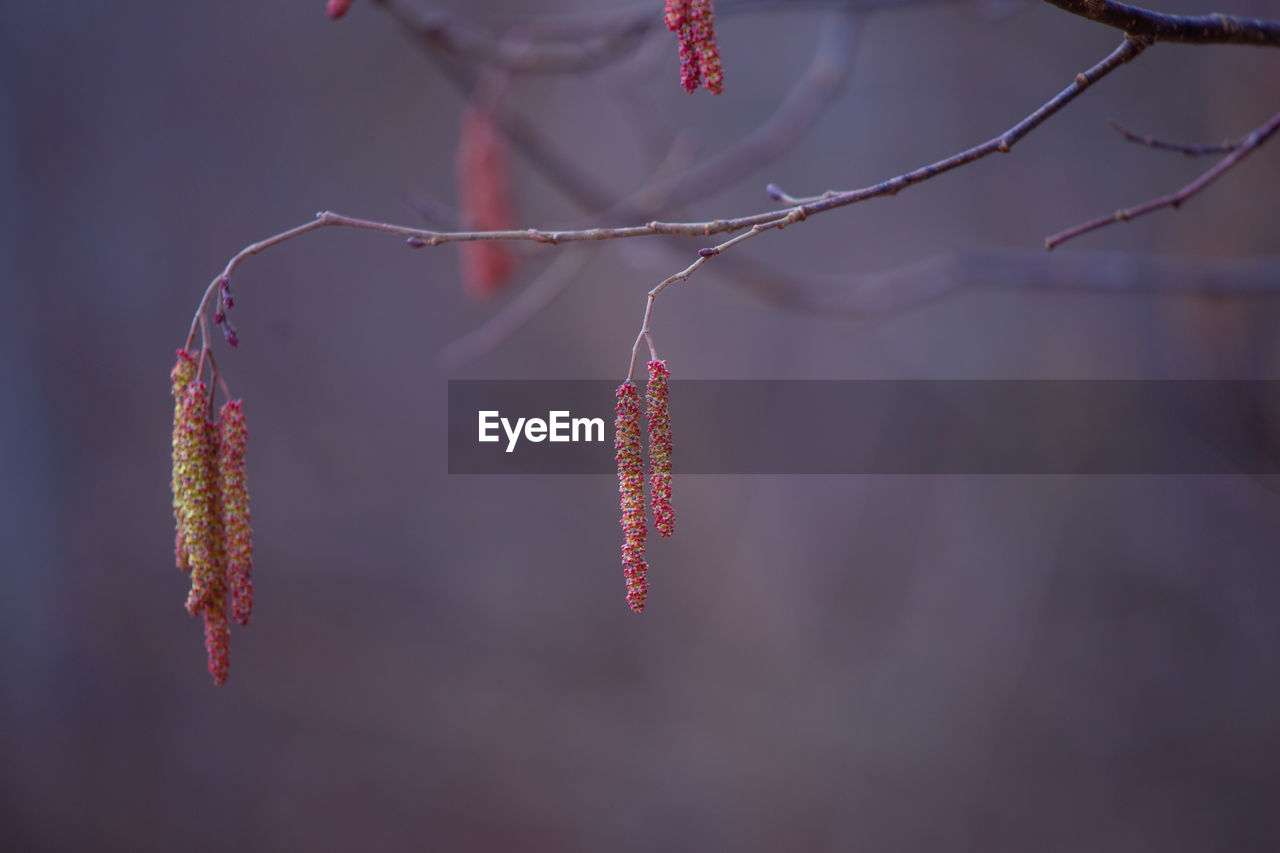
(626, 445)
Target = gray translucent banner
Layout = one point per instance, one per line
(881, 427)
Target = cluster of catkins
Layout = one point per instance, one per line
(694, 21)
(626, 444)
(214, 543)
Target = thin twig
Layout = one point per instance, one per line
(704, 255)
(1248, 144)
(1181, 147)
(1127, 50)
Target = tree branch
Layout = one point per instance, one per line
(1182, 148)
(1248, 144)
(1190, 29)
(757, 223)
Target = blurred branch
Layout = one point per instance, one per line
(458, 40)
(1246, 145)
(808, 98)
(571, 44)
(812, 93)
(1156, 26)
(534, 297)
(1183, 148)
(876, 295)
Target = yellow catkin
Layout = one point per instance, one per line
(182, 375)
(200, 522)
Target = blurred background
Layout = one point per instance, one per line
(436, 662)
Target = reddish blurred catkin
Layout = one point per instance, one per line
(336, 8)
(694, 22)
(626, 444)
(664, 517)
(484, 198)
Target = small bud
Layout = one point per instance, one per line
(774, 192)
(664, 517)
(234, 501)
(626, 444)
(229, 332)
(415, 242)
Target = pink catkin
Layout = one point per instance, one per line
(217, 636)
(626, 444)
(336, 8)
(694, 22)
(484, 197)
(704, 27)
(234, 500)
(664, 517)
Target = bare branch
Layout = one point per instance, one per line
(1248, 144)
(1192, 29)
(1183, 148)
(758, 223)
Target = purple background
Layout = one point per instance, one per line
(435, 662)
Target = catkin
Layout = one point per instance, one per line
(182, 375)
(664, 517)
(694, 22)
(199, 523)
(234, 502)
(626, 444)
